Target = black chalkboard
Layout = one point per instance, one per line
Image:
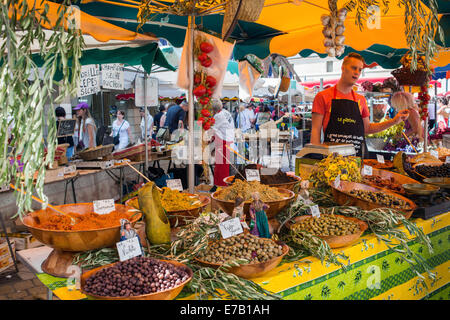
(66, 127)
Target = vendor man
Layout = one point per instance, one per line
(343, 114)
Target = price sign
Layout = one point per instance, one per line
(447, 159)
(70, 169)
(268, 171)
(367, 170)
(252, 175)
(315, 211)
(104, 206)
(230, 228)
(434, 153)
(175, 184)
(129, 248)
(337, 181)
(380, 158)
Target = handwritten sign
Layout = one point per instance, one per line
(252, 175)
(367, 170)
(230, 228)
(149, 96)
(175, 184)
(70, 169)
(315, 211)
(380, 158)
(337, 181)
(104, 206)
(89, 82)
(434, 153)
(129, 248)
(112, 76)
(66, 127)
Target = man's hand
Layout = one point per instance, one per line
(401, 116)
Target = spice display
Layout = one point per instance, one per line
(381, 198)
(242, 246)
(174, 200)
(335, 164)
(245, 189)
(134, 277)
(278, 178)
(390, 183)
(328, 225)
(378, 165)
(424, 158)
(443, 152)
(434, 171)
(82, 222)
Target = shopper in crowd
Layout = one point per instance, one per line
(342, 114)
(246, 118)
(443, 113)
(262, 117)
(158, 116)
(86, 133)
(162, 121)
(149, 124)
(60, 114)
(175, 116)
(223, 137)
(121, 131)
(405, 101)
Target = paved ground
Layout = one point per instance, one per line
(21, 286)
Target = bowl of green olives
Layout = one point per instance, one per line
(338, 231)
(263, 254)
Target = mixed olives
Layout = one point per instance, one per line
(242, 246)
(134, 277)
(381, 198)
(328, 225)
(441, 171)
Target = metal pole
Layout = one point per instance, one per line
(145, 124)
(190, 53)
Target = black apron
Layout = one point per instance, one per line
(346, 124)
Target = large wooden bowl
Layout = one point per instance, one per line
(342, 197)
(387, 175)
(169, 294)
(388, 164)
(177, 217)
(338, 241)
(287, 185)
(76, 241)
(274, 206)
(254, 270)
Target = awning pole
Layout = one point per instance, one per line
(191, 165)
(145, 124)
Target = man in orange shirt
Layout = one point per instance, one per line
(343, 114)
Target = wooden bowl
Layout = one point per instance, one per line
(169, 294)
(338, 241)
(76, 241)
(274, 206)
(179, 215)
(421, 189)
(387, 175)
(287, 185)
(388, 164)
(342, 197)
(253, 270)
(440, 182)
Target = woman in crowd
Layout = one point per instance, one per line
(86, 129)
(121, 131)
(405, 101)
(149, 125)
(262, 116)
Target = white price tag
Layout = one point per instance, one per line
(129, 248)
(104, 206)
(230, 228)
(380, 158)
(447, 159)
(367, 170)
(252, 175)
(337, 181)
(70, 169)
(174, 184)
(434, 153)
(315, 211)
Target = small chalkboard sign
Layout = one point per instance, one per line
(66, 127)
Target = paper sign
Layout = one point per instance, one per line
(149, 97)
(70, 169)
(230, 228)
(104, 206)
(112, 76)
(380, 158)
(129, 248)
(367, 170)
(447, 159)
(315, 211)
(89, 82)
(434, 153)
(174, 184)
(337, 181)
(252, 175)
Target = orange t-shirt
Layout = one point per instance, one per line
(322, 104)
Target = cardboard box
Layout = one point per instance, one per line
(23, 240)
(4, 249)
(6, 262)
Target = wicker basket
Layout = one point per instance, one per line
(95, 153)
(245, 10)
(284, 85)
(405, 77)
